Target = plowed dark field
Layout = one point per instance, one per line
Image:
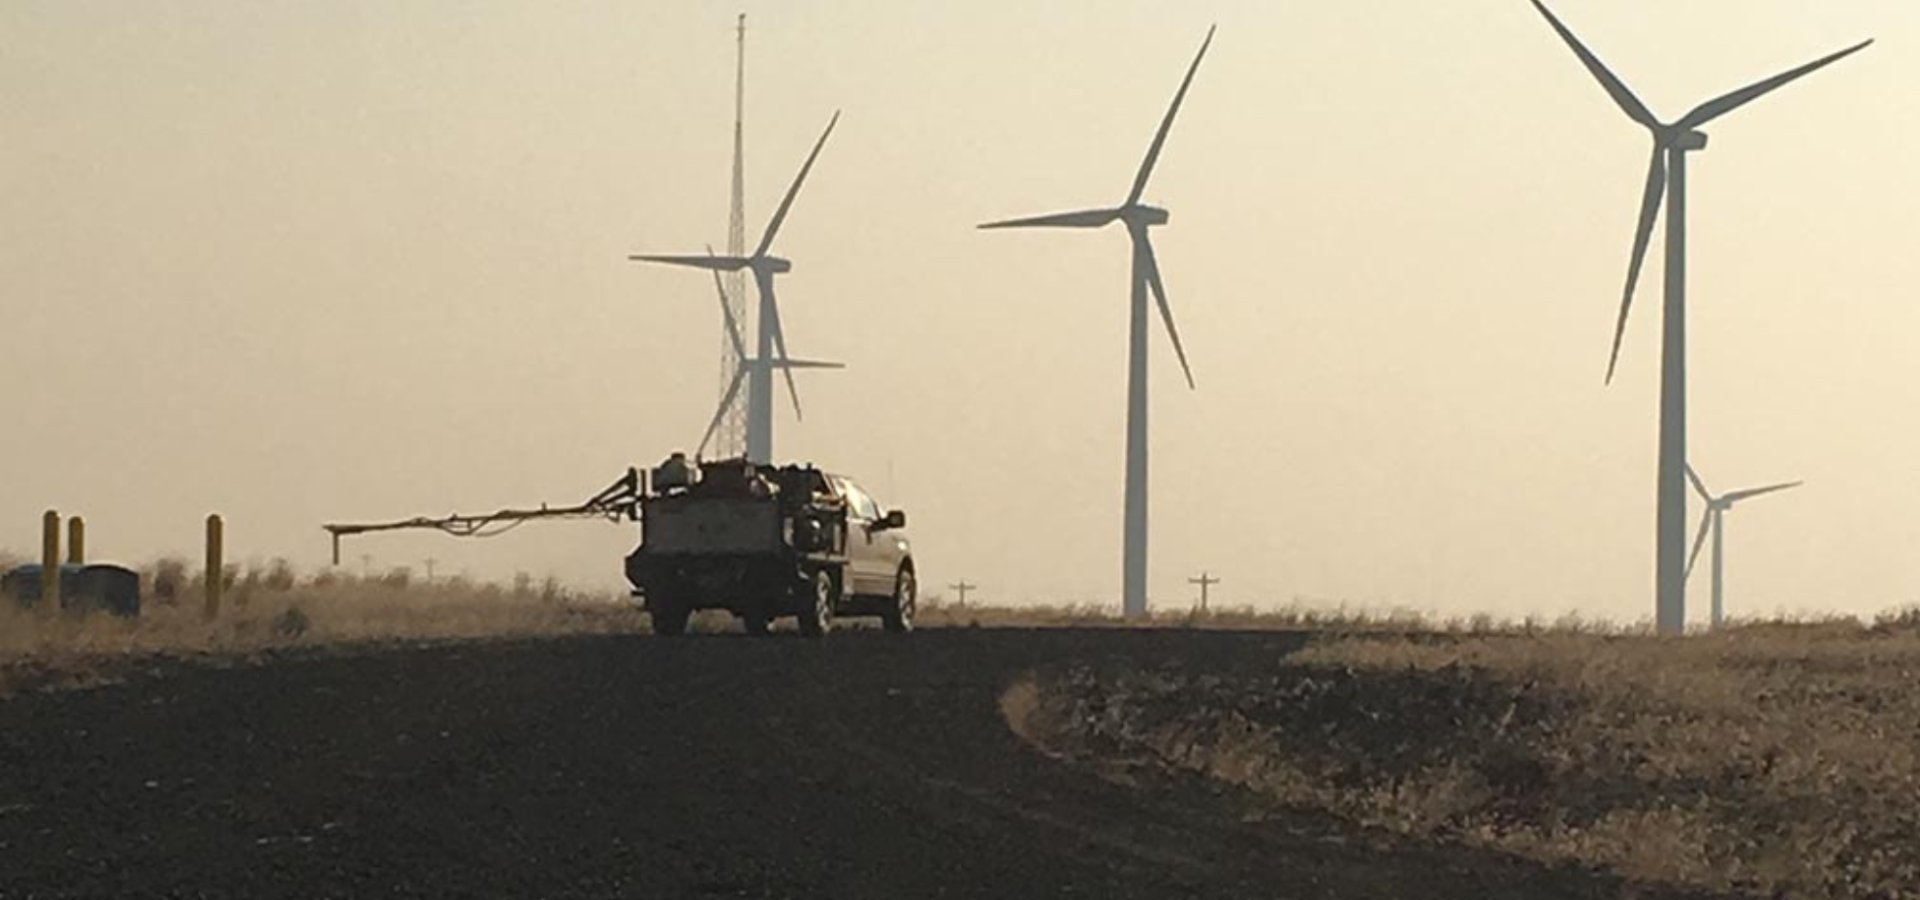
(861, 766)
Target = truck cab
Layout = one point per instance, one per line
(877, 545)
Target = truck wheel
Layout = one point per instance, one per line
(898, 616)
(816, 609)
(755, 623)
(669, 617)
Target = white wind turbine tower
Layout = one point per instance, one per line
(1667, 180)
(757, 371)
(1138, 217)
(1713, 520)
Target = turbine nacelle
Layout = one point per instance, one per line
(1143, 215)
(1686, 141)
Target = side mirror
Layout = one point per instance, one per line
(895, 519)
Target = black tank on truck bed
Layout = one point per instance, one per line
(766, 542)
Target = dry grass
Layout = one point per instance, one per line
(271, 608)
(1323, 618)
(1777, 760)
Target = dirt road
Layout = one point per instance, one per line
(859, 767)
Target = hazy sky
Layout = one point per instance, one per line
(302, 262)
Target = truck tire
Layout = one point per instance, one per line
(755, 623)
(898, 615)
(816, 605)
(669, 617)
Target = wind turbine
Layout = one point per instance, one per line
(757, 371)
(1138, 217)
(1714, 520)
(748, 365)
(1667, 180)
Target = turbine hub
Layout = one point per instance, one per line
(1141, 214)
(1688, 141)
(773, 264)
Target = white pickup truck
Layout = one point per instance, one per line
(766, 542)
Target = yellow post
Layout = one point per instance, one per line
(77, 541)
(49, 561)
(216, 569)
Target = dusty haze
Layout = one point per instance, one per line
(307, 262)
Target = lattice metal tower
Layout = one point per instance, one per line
(731, 440)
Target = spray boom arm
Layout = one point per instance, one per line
(621, 500)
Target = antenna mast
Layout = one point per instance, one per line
(731, 439)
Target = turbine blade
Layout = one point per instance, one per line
(1616, 88)
(1656, 190)
(1738, 496)
(1086, 218)
(726, 313)
(780, 358)
(808, 364)
(714, 263)
(786, 203)
(1698, 485)
(726, 403)
(1166, 124)
(1720, 106)
(1160, 295)
(1699, 541)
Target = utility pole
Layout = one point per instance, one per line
(1206, 580)
(961, 589)
(430, 561)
